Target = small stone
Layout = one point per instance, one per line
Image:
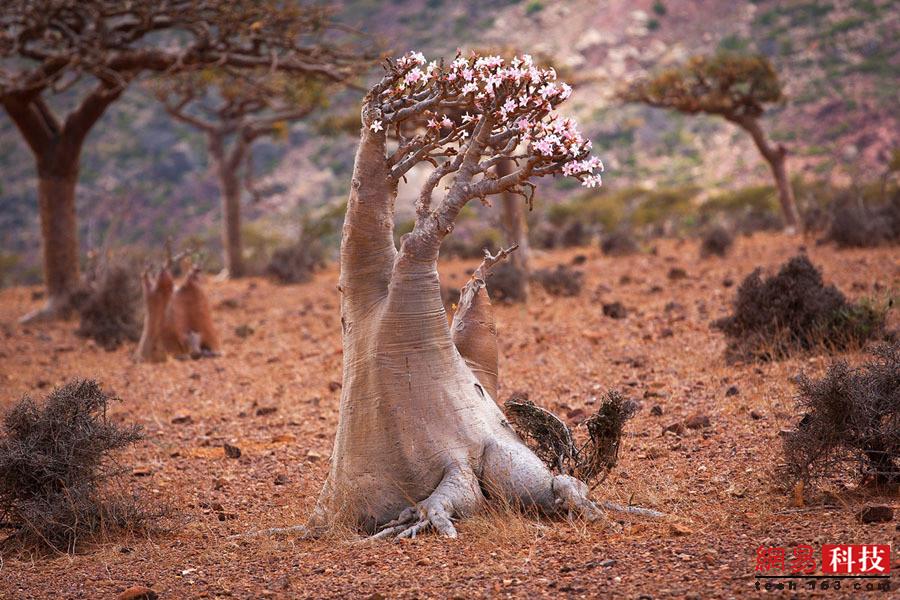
(656, 410)
(680, 530)
(579, 259)
(676, 273)
(876, 514)
(334, 386)
(266, 410)
(727, 282)
(666, 332)
(243, 331)
(697, 421)
(677, 428)
(756, 416)
(138, 592)
(615, 310)
(732, 391)
(231, 451)
(313, 456)
(182, 420)
(281, 479)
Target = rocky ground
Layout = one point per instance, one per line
(275, 392)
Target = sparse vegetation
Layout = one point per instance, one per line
(851, 422)
(506, 283)
(109, 305)
(794, 311)
(716, 242)
(619, 243)
(561, 281)
(296, 263)
(854, 224)
(57, 478)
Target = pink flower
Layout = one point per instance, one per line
(413, 76)
(592, 181)
(376, 126)
(446, 122)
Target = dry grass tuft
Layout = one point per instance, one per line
(561, 281)
(852, 421)
(794, 311)
(109, 306)
(56, 476)
(716, 242)
(619, 243)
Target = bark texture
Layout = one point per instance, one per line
(420, 440)
(227, 165)
(776, 156)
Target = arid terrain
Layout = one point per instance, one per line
(275, 392)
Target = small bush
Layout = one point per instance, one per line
(716, 242)
(852, 420)
(854, 225)
(619, 243)
(506, 283)
(574, 234)
(471, 244)
(795, 311)
(561, 281)
(55, 473)
(109, 306)
(296, 263)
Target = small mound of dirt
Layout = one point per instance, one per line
(561, 281)
(716, 242)
(506, 283)
(795, 311)
(852, 422)
(296, 263)
(619, 243)
(55, 473)
(109, 306)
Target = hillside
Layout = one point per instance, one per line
(149, 177)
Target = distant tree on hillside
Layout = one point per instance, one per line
(233, 109)
(96, 48)
(734, 86)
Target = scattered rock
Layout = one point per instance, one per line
(594, 336)
(615, 310)
(334, 386)
(697, 421)
(579, 259)
(266, 410)
(756, 416)
(313, 456)
(182, 420)
(138, 592)
(666, 333)
(656, 410)
(727, 282)
(243, 331)
(680, 530)
(732, 391)
(231, 303)
(281, 479)
(231, 451)
(676, 273)
(677, 428)
(876, 514)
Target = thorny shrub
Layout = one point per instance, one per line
(57, 480)
(561, 281)
(852, 420)
(716, 242)
(794, 311)
(109, 306)
(296, 263)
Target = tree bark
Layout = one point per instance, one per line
(227, 169)
(420, 439)
(776, 156)
(59, 235)
(515, 230)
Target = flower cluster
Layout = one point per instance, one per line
(517, 96)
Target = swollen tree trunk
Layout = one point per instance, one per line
(227, 170)
(420, 438)
(776, 156)
(59, 235)
(515, 229)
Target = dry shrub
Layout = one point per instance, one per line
(795, 311)
(561, 281)
(574, 234)
(554, 443)
(716, 242)
(506, 283)
(852, 422)
(854, 225)
(109, 306)
(56, 476)
(619, 243)
(296, 263)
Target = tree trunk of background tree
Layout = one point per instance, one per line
(59, 235)
(515, 229)
(776, 156)
(227, 168)
(420, 438)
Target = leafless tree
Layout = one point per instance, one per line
(97, 48)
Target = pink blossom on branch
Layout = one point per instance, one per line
(466, 117)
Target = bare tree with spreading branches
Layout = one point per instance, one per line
(734, 86)
(421, 440)
(96, 48)
(233, 109)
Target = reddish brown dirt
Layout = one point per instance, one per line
(716, 483)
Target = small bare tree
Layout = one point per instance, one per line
(233, 109)
(735, 87)
(96, 48)
(421, 440)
